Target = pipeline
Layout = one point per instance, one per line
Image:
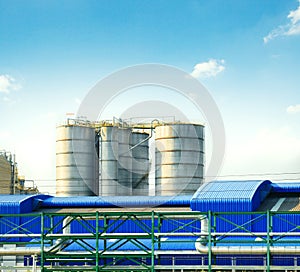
(60, 244)
(202, 247)
(249, 250)
(146, 139)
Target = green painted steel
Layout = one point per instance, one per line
(269, 240)
(102, 227)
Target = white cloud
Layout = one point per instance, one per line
(208, 69)
(293, 109)
(8, 84)
(289, 29)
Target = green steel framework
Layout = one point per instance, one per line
(54, 236)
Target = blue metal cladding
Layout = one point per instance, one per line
(279, 222)
(16, 204)
(169, 244)
(7, 225)
(230, 222)
(286, 222)
(260, 194)
(114, 226)
(259, 223)
(286, 187)
(140, 226)
(19, 204)
(229, 196)
(13, 204)
(117, 201)
(79, 201)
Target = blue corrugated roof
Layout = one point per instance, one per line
(19, 203)
(11, 199)
(228, 189)
(242, 195)
(117, 201)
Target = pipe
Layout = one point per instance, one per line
(201, 246)
(204, 228)
(146, 139)
(255, 250)
(21, 251)
(67, 225)
(34, 261)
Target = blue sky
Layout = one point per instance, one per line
(53, 52)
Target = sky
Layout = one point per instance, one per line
(246, 53)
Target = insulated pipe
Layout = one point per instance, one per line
(255, 250)
(204, 227)
(67, 225)
(201, 246)
(66, 231)
(21, 251)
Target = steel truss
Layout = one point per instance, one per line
(151, 241)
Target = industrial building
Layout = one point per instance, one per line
(10, 182)
(104, 219)
(6, 173)
(226, 225)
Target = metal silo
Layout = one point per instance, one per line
(116, 161)
(77, 162)
(109, 146)
(179, 158)
(124, 163)
(140, 163)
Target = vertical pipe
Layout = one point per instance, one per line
(51, 226)
(13, 177)
(159, 237)
(99, 163)
(159, 230)
(42, 241)
(173, 263)
(104, 239)
(34, 263)
(269, 229)
(214, 229)
(97, 241)
(209, 242)
(152, 241)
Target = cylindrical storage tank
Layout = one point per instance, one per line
(6, 186)
(109, 146)
(77, 161)
(124, 163)
(179, 159)
(140, 163)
